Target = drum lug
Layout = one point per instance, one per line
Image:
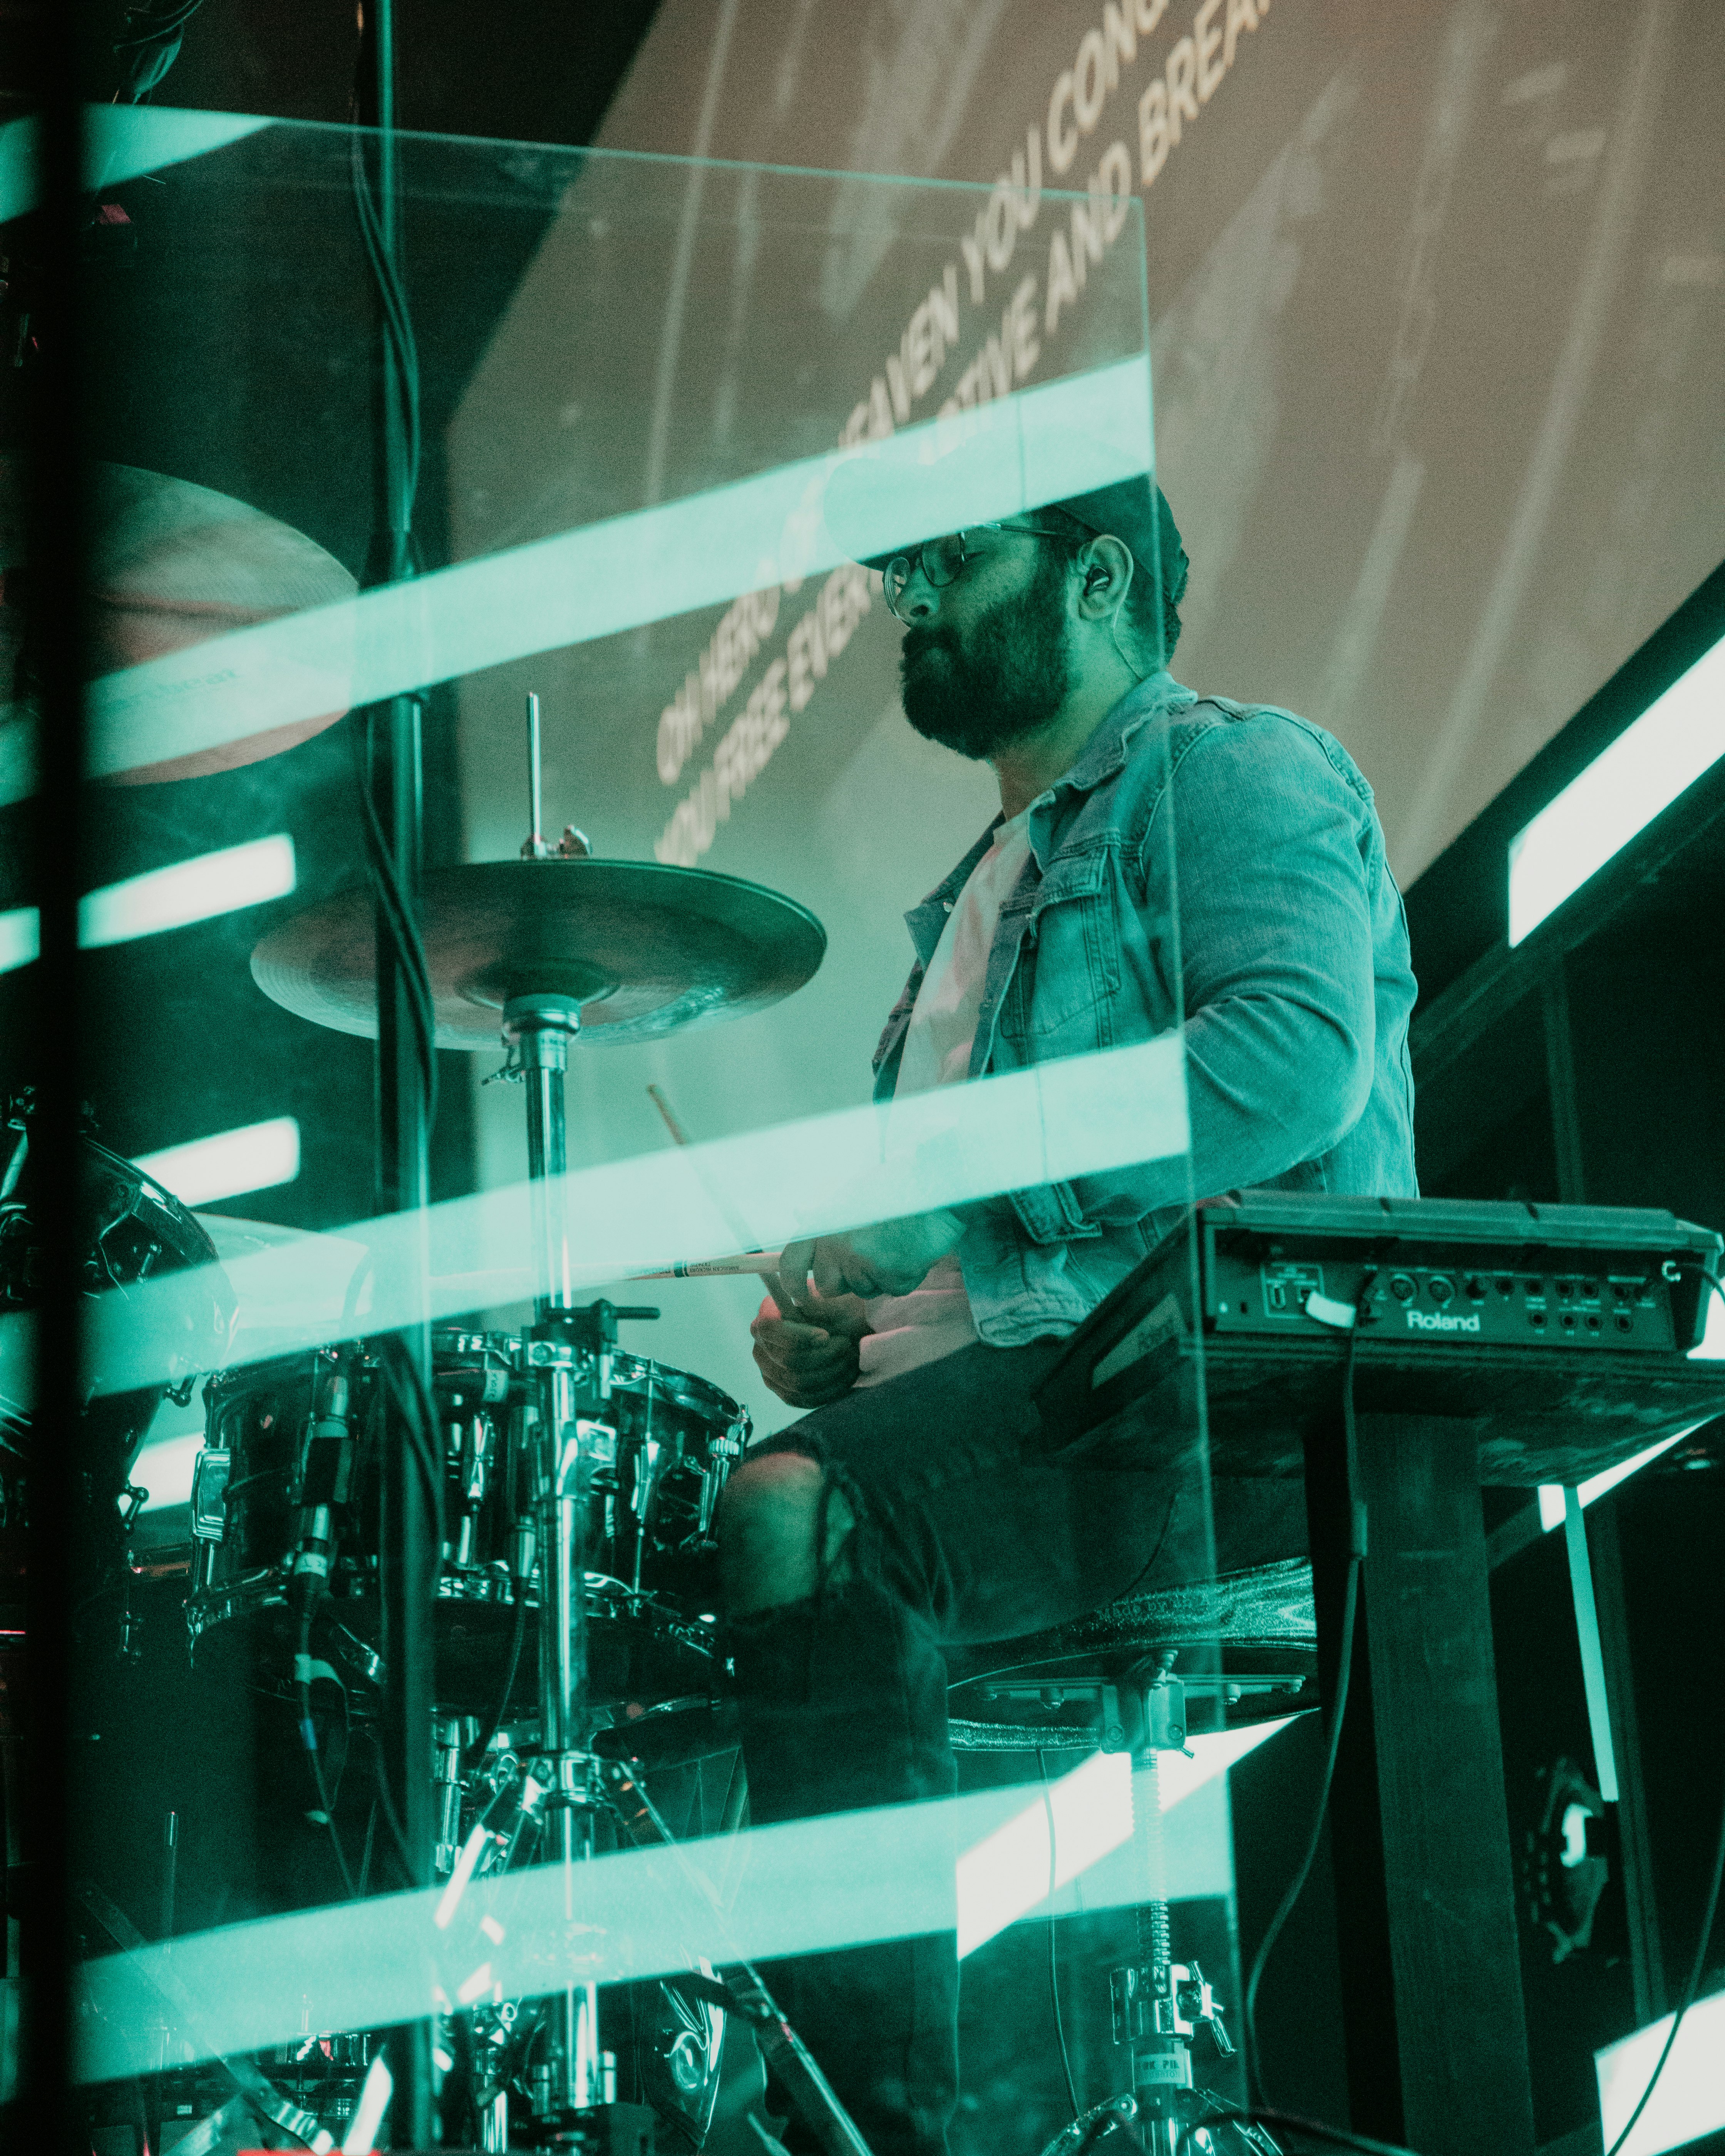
(209, 1493)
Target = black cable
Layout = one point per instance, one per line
(1054, 1972)
(1690, 1990)
(392, 1818)
(403, 374)
(1108, 2121)
(365, 1853)
(404, 937)
(1697, 1968)
(1350, 1611)
(518, 1633)
(407, 1384)
(308, 1738)
(399, 327)
(149, 43)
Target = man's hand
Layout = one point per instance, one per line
(806, 1347)
(890, 1258)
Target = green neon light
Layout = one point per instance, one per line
(955, 1145)
(121, 141)
(650, 565)
(1678, 737)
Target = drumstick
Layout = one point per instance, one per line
(655, 1094)
(753, 1259)
(765, 1262)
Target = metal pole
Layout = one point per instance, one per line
(56, 393)
(409, 1557)
(535, 847)
(544, 1025)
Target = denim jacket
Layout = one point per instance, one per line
(1291, 957)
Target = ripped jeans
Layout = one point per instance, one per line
(967, 1528)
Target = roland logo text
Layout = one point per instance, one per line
(1435, 1320)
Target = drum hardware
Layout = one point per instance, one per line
(1104, 1695)
(249, 1523)
(449, 1736)
(744, 1991)
(569, 1357)
(1102, 1725)
(255, 2097)
(1157, 2006)
(574, 846)
(594, 1446)
(130, 1230)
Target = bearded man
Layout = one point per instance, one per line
(918, 1505)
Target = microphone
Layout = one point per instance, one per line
(323, 1485)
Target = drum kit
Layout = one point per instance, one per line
(573, 1484)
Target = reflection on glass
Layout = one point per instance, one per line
(664, 457)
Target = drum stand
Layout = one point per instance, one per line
(568, 1353)
(1158, 2005)
(569, 1437)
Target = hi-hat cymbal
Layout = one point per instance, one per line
(172, 565)
(645, 950)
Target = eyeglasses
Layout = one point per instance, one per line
(940, 560)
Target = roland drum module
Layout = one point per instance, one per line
(1447, 1271)
(1430, 1279)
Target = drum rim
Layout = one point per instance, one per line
(265, 1587)
(630, 1373)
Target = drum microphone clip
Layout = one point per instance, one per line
(324, 1485)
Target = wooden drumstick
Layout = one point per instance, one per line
(765, 1262)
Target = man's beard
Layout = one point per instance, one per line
(1010, 676)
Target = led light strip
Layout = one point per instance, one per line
(121, 141)
(808, 1886)
(1681, 735)
(202, 889)
(1552, 1502)
(955, 1146)
(257, 1157)
(1062, 437)
(1688, 2100)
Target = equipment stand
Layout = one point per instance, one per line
(565, 1433)
(410, 1554)
(1433, 2023)
(571, 1440)
(1158, 2005)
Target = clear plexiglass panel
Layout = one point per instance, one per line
(715, 471)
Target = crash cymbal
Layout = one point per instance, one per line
(645, 950)
(172, 565)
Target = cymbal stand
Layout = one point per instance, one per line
(568, 1354)
(568, 1387)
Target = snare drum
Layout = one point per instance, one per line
(649, 1530)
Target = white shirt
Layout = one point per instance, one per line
(934, 1320)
